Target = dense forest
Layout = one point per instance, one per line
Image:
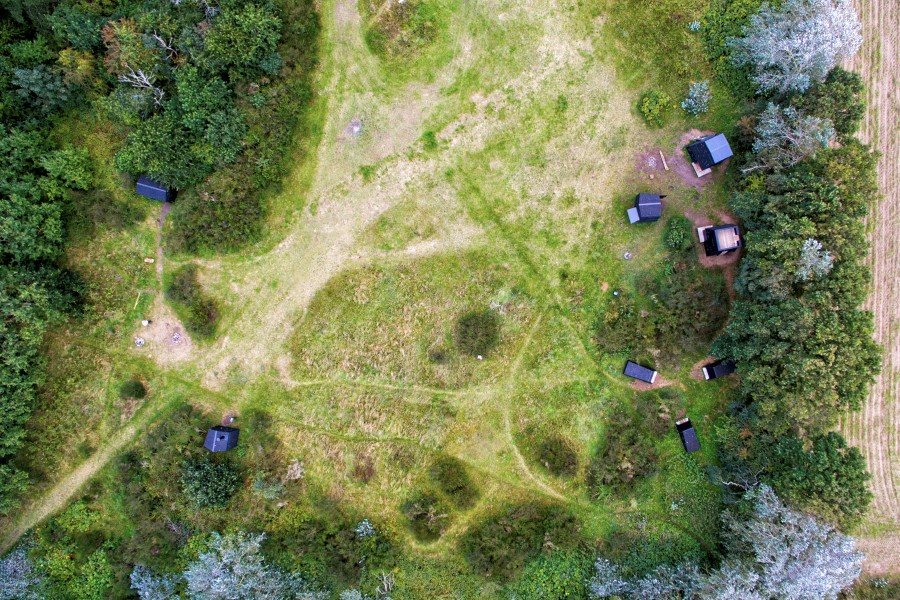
(208, 98)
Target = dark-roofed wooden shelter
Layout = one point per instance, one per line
(647, 208)
(639, 372)
(709, 150)
(221, 438)
(148, 188)
(720, 368)
(721, 239)
(687, 434)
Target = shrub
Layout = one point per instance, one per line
(505, 541)
(78, 518)
(678, 234)
(654, 107)
(698, 97)
(554, 576)
(450, 476)
(477, 332)
(404, 28)
(625, 453)
(427, 516)
(208, 483)
(557, 455)
(132, 388)
(199, 312)
(221, 214)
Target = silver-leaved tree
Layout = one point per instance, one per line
(795, 45)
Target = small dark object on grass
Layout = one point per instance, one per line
(133, 388)
(477, 332)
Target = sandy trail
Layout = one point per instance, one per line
(324, 242)
(57, 497)
(876, 428)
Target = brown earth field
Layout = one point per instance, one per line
(876, 427)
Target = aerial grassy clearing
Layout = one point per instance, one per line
(422, 340)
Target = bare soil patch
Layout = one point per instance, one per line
(697, 369)
(165, 339)
(643, 386)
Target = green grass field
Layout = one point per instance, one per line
(498, 151)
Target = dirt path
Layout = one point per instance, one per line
(876, 428)
(57, 497)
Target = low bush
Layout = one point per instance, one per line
(654, 107)
(554, 576)
(505, 541)
(450, 476)
(133, 388)
(427, 516)
(221, 214)
(678, 234)
(557, 455)
(625, 454)
(403, 28)
(208, 483)
(477, 332)
(697, 100)
(198, 311)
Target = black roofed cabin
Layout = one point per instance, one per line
(707, 152)
(720, 368)
(647, 208)
(687, 434)
(639, 372)
(721, 239)
(221, 438)
(148, 188)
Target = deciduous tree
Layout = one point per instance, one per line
(794, 45)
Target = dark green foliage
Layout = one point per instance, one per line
(725, 19)
(506, 540)
(828, 479)
(35, 185)
(209, 483)
(403, 28)
(43, 88)
(678, 234)
(221, 214)
(199, 312)
(839, 98)
(242, 38)
(557, 455)
(427, 516)
(76, 26)
(554, 576)
(450, 476)
(132, 388)
(625, 453)
(477, 332)
(804, 347)
(158, 147)
(655, 107)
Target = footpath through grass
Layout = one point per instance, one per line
(488, 176)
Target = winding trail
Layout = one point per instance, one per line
(57, 497)
(876, 427)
